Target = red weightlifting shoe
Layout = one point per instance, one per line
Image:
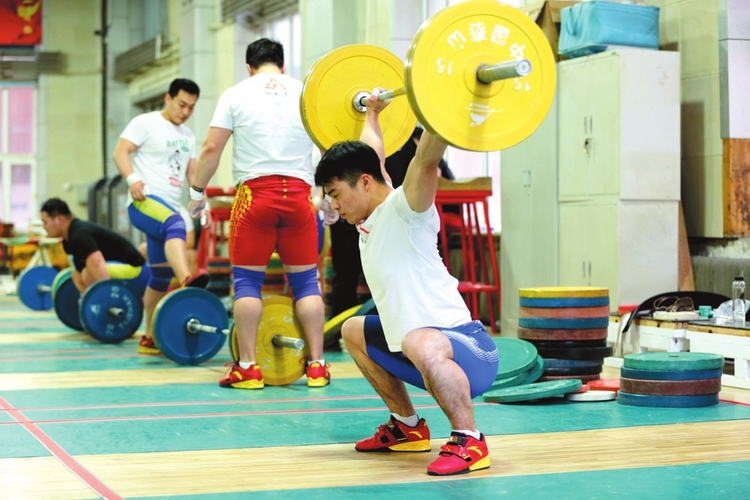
(240, 378)
(460, 455)
(148, 346)
(317, 375)
(397, 436)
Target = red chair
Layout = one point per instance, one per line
(480, 272)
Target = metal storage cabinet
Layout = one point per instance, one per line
(528, 240)
(619, 174)
(620, 125)
(611, 147)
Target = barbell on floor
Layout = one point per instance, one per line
(191, 326)
(109, 310)
(34, 287)
(457, 80)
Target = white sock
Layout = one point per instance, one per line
(411, 421)
(475, 434)
(244, 365)
(321, 361)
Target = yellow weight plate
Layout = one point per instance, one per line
(280, 365)
(326, 103)
(563, 291)
(333, 325)
(441, 76)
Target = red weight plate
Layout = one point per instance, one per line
(671, 387)
(564, 312)
(572, 334)
(609, 384)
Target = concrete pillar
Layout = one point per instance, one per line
(326, 25)
(120, 38)
(198, 59)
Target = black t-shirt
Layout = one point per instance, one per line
(398, 162)
(85, 238)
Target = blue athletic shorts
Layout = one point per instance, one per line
(473, 350)
(149, 216)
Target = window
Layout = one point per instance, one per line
(18, 155)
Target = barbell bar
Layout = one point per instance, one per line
(486, 73)
(194, 326)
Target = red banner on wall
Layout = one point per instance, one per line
(20, 22)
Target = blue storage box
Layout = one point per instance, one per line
(589, 27)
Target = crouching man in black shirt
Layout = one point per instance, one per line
(96, 252)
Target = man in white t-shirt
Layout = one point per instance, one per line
(273, 209)
(424, 334)
(155, 153)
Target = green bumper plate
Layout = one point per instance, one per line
(530, 392)
(673, 361)
(516, 356)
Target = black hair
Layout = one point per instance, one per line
(188, 86)
(55, 207)
(347, 161)
(264, 51)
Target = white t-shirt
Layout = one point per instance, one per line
(269, 139)
(407, 278)
(163, 154)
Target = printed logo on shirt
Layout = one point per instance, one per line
(174, 164)
(364, 234)
(273, 87)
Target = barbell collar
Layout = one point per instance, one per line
(291, 342)
(488, 73)
(117, 312)
(44, 289)
(361, 98)
(359, 101)
(195, 326)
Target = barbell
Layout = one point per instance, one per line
(191, 326)
(480, 75)
(34, 287)
(109, 310)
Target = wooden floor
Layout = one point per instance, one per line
(79, 419)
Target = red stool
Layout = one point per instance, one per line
(472, 198)
(219, 214)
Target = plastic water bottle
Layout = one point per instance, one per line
(738, 301)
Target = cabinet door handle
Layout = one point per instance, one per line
(587, 143)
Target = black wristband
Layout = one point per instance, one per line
(200, 190)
